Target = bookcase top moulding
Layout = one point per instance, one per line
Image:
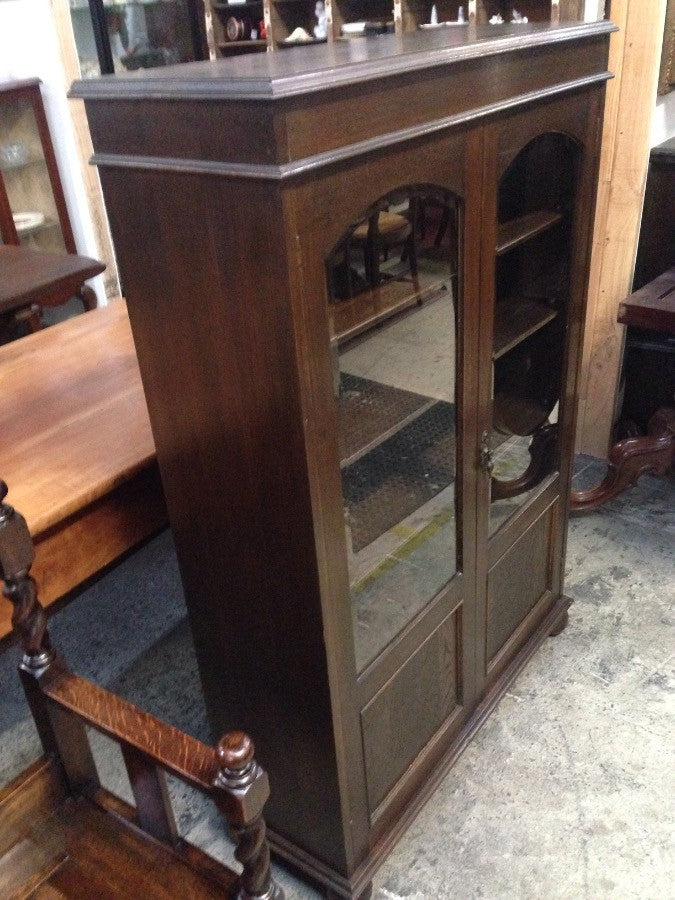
(325, 66)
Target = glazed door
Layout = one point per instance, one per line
(400, 264)
(538, 169)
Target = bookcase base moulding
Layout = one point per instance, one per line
(356, 283)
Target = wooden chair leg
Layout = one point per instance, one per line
(442, 226)
(31, 316)
(88, 297)
(631, 458)
(371, 252)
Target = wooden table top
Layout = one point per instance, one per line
(34, 276)
(653, 306)
(73, 418)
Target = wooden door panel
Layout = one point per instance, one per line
(411, 707)
(516, 583)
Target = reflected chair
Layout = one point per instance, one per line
(379, 234)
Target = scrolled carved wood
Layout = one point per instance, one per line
(631, 458)
(542, 461)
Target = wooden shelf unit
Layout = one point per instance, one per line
(283, 16)
(251, 14)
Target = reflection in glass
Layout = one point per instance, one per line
(26, 177)
(133, 34)
(392, 306)
(85, 42)
(532, 285)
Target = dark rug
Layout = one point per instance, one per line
(395, 477)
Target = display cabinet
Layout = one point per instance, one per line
(237, 26)
(357, 292)
(32, 205)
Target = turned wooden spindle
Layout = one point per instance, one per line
(241, 790)
(16, 557)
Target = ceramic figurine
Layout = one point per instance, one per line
(320, 29)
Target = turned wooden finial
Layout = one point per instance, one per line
(234, 752)
(16, 557)
(241, 790)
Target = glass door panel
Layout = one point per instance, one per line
(26, 177)
(392, 287)
(532, 283)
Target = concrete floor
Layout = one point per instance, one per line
(566, 792)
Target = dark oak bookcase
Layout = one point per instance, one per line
(366, 475)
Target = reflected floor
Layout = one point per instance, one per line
(412, 352)
(396, 574)
(399, 573)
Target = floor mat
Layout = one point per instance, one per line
(394, 477)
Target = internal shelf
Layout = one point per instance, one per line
(352, 317)
(516, 231)
(515, 320)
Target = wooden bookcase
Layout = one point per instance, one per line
(360, 354)
(282, 17)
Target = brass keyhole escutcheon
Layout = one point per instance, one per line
(485, 460)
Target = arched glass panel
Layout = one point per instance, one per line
(393, 302)
(532, 291)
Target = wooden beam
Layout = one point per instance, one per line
(635, 52)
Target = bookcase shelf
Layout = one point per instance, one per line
(516, 231)
(516, 319)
